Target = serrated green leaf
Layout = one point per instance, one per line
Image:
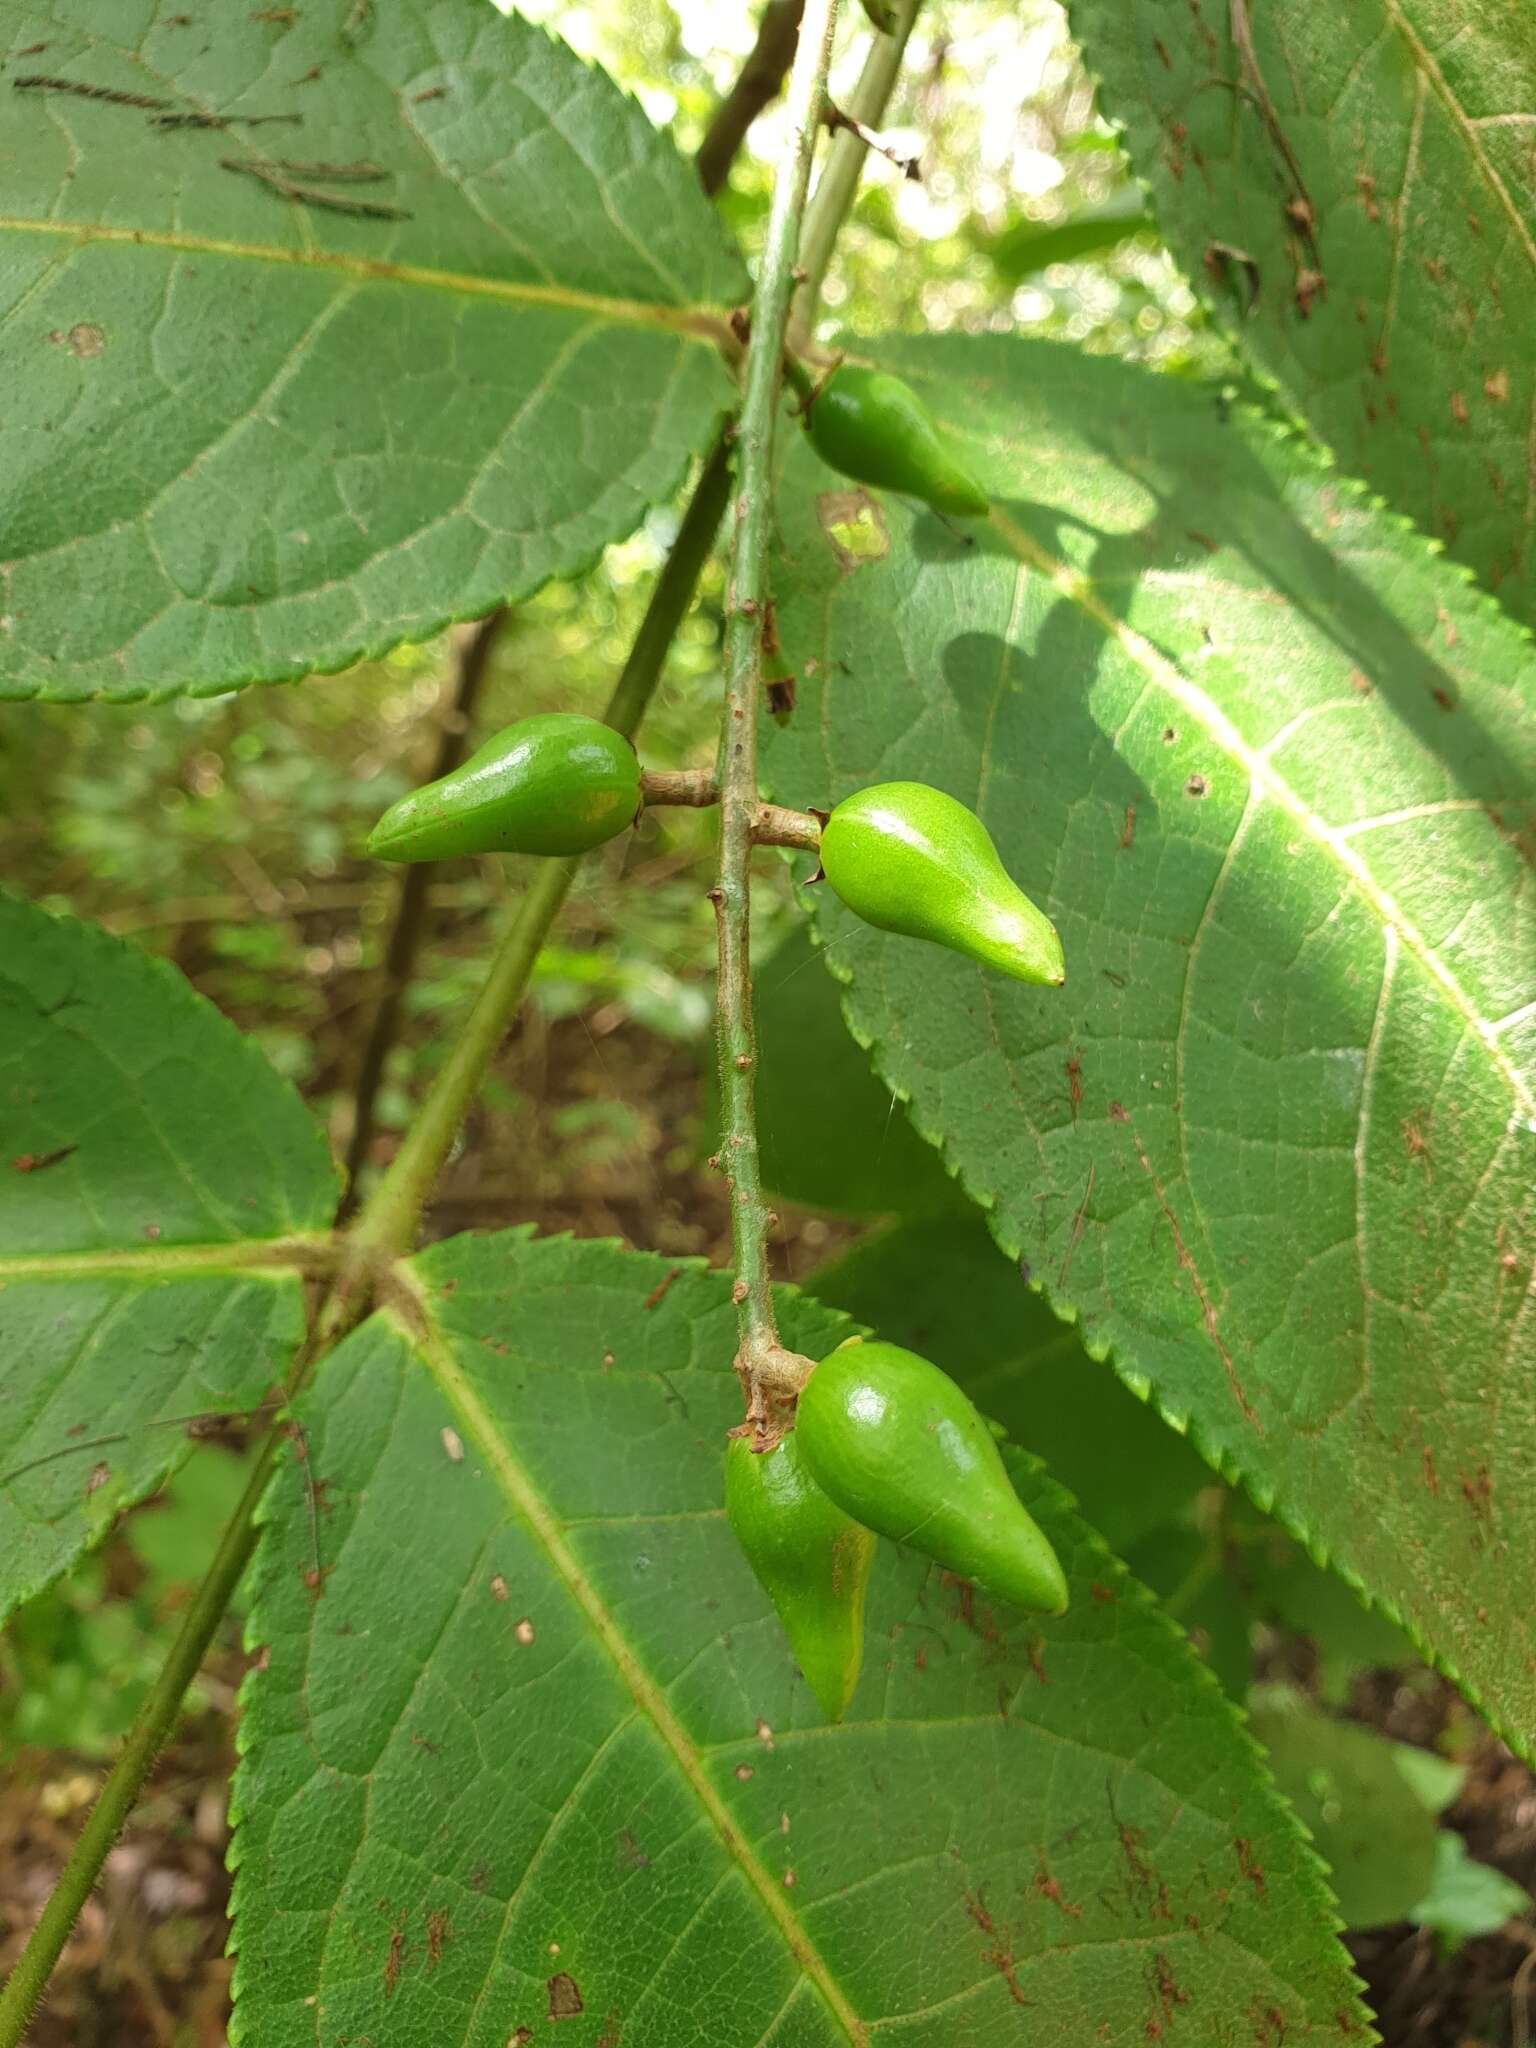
(537, 1751)
(1351, 188)
(1267, 762)
(943, 1289)
(157, 1185)
(246, 434)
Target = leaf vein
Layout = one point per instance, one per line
(1193, 700)
(548, 1531)
(699, 323)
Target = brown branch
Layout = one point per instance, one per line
(474, 653)
(761, 77)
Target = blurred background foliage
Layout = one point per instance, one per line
(227, 835)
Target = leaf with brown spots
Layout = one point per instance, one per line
(499, 207)
(1397, 137)
(565, 1999)
(657, 1816)
(1304, 999)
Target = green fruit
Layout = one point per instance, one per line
(912, 860)
(871, 426)
(557, 783)
(810, 1559)
(897, 1444)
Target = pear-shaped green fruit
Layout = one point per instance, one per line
(810, 1558)
(557, 783)
(897, 1444)
(911, 859)
(871, 426)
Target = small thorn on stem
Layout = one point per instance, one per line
(834, 117)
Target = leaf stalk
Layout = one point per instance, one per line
(385, 1229)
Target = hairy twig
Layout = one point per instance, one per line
(864, 108)
(759, 82)
(769, 1374)
(387, 1222)
(760, 79)
(472, 664)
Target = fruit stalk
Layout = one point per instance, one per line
(693, 788)
(769, 1374)
(775, 825)
(696, 789)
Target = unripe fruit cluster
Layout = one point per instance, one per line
(883, 1442)
(904, 857)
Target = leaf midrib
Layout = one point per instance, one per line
(696, 323)
(1079, 589)
(429, 1341)
(294, 1254)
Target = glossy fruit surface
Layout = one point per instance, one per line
(912, 860)
(873, 427)
(898, 1445)
(810, 1558)
(557, 783)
